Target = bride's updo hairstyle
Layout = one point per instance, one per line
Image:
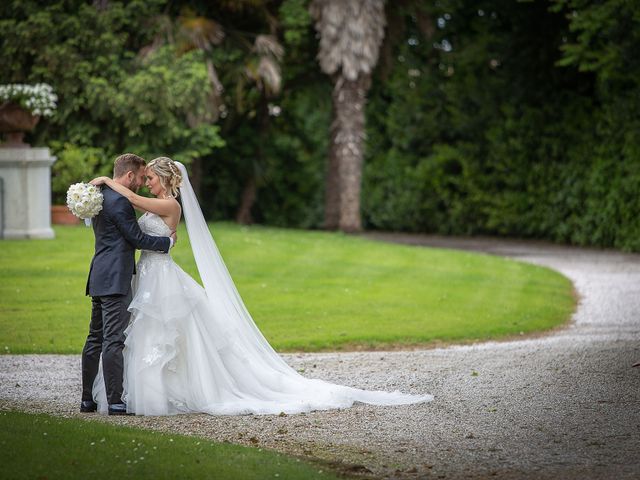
(168, 172)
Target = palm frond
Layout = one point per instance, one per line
(351, 33)
(269, 72)
(268, 45)
(201, 32)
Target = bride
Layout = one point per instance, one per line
(194, 349)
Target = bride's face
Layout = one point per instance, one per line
(154, 184)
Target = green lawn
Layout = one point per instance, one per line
(305, 290)
(41, 446)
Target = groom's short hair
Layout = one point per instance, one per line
(127, 162)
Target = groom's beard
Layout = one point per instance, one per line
(134, 186)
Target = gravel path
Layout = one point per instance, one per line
(566, 405)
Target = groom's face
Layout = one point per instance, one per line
(137, 180)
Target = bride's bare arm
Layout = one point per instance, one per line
(165, 207)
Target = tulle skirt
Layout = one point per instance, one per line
(179, 357)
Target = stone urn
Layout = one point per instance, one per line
(15, 121)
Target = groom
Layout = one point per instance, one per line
(117, 236)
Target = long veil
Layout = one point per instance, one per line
(240, 328)
(218, 284)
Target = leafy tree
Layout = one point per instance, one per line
(110, 96)
(486, 126)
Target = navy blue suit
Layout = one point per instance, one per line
(117, 237)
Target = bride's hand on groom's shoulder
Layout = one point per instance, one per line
(98, 181)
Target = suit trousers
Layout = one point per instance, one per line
(109, 319)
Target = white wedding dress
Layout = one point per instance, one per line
(195, 349)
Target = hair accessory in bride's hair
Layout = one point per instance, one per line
(183, 173)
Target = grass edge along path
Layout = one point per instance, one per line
(306, 290)
(43, 446)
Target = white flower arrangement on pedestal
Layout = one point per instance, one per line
(84, 200)
(38, 99)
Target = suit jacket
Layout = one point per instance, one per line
(117, 237)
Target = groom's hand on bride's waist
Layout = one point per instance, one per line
(174, 239)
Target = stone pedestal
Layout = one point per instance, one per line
(25, 210)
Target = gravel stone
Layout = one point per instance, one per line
(560, 405)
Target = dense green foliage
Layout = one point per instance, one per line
(109, 97)
(504, 134)
(306, 291)
(503, 117)
(42, 446)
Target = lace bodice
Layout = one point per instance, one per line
(152, 224)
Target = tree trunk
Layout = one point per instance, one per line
(250, 190)
(243, 217)
(346, 155)
(196, 176)
(332, 187)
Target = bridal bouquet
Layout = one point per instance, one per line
(84, 200)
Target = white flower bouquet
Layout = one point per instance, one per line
(84, 200)
(38, 99)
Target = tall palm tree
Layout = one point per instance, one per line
(351, 33)
(263, 71)
(259, 68)
(190, 31)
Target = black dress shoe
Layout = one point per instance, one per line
(118, 409)
(88, 406)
